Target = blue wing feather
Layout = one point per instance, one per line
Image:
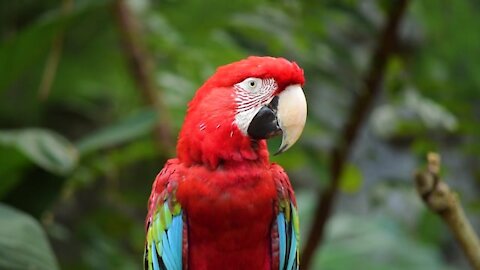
(287, 238)
(281, 238)
(175, 240)
(171, 243)
(154, 258)
(167, 254)
(293, 250)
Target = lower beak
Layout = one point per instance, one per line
(285, 114)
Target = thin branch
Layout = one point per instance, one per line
(141, 66)
(438, 196)
(54, 56)
(358, 114)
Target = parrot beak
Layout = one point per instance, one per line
(285, 114)
(291, 115)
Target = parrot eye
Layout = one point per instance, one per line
(251, 84)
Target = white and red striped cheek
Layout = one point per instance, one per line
(250, 95)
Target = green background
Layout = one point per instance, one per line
(77, 158)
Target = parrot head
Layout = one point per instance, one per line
(239, 107)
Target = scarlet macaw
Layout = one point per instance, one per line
(221, 204)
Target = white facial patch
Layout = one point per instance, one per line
(251, 95)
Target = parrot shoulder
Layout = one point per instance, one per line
(164, 245)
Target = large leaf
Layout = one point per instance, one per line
(45, 148)
(23, 243)
(132, 127)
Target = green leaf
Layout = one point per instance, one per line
(351, 179)
(128, 129)
(23, 243)
(45, 148)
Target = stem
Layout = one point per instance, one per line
(438, 196)
(54, 56)
(358, 114)
(141, 67)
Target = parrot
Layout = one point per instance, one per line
(221, 203)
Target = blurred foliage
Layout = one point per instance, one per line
(82, 159)
(378, 239)
(45, 148)
(351, 179)
(29, 249)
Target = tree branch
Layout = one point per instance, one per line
(141, 67)
(438, 196)
(358, 114)
(54, 55)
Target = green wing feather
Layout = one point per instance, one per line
(163, 249)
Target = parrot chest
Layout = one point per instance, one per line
(229, 215)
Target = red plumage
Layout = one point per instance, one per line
(222, 179)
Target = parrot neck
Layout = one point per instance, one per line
(219, 145)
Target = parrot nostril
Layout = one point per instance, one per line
(273, 105)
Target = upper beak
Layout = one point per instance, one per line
(285, 114)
